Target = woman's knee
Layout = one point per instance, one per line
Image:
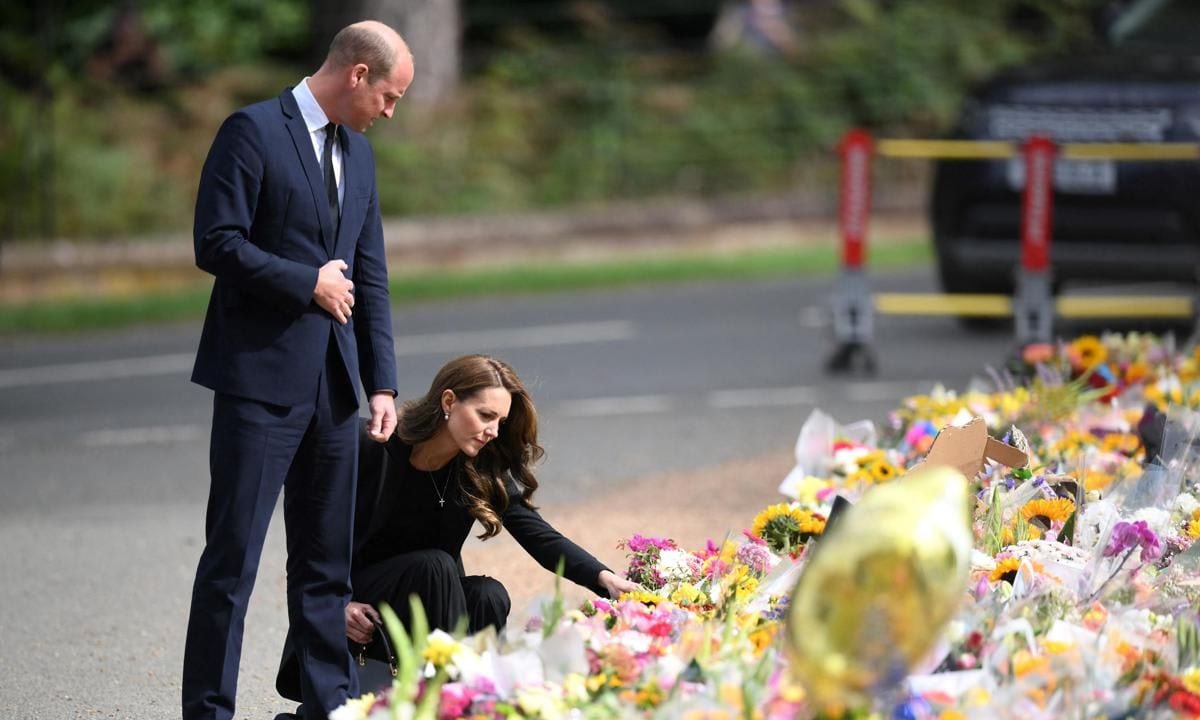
(487, 600)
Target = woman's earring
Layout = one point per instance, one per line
(446, 415)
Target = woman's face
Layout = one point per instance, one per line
(475, 421)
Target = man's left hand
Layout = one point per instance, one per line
(383, 416)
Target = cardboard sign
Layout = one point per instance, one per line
(966, 449)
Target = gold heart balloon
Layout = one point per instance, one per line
(879, 587)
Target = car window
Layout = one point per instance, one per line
(1158, 26)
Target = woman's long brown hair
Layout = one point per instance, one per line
(512, 453)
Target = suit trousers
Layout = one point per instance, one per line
(310, 451)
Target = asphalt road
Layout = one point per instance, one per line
(103, 452)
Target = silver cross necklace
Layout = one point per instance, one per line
(440, 493)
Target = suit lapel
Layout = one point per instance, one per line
(308, 160)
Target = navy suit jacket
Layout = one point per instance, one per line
(263, 229)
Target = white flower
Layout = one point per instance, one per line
(1186, 504)
(1158, 520)
(1095, 520)
(676, 565)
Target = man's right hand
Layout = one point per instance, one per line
(334, 291)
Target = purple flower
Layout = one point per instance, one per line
(756, 556)
(1129, 535)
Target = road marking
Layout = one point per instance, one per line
(874, 391)
(526, 337)
(98, 370)
(407, 345)
(629, 405)
(763, 397)
(814, 317)
(158, 435)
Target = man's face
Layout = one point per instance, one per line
(372, 100)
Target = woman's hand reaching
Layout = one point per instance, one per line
(616, 585)
(359, 625)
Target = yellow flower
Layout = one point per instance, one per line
(883, 471)
(1025, 662)
(1191, 680)
(1087, 352)
(441, 649)
(1045, 513)
(596, 682)
(762, 636)
(687, 594)
(1126, 443)
(1096, 480)
(1193, 526)
(645, 597)
(1005, 569)
(767, 515)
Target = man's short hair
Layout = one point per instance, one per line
(355, 44)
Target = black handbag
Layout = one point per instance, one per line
(376, 662)
(377, 665)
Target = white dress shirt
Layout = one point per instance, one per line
(315, 120)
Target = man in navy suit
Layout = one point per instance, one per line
(287, 220)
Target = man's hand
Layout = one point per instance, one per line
(616, 585)
(383, 416)
(334, 291)
(359, 627)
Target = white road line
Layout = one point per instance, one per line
(630, 405)
(874, 391)
(526, 337)
(763, 397)
(158, 435)
(814, 317)
(97, 370)
(406, 345)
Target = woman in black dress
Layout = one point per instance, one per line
(463, 453)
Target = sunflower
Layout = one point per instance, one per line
(1005, 570)
(1087, 352)
(786, 528)
(1045, 513)
(883, 471)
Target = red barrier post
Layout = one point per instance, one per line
(851, 302)
(1033, 307)
(856, 148)
(1037, 208)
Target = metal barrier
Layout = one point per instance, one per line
(1032, 306)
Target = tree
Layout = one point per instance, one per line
(432, 28)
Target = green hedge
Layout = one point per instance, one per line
(610, 116)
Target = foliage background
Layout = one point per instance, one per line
(586, 104)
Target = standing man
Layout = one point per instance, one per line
(287, 220)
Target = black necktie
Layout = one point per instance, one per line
(331, 189)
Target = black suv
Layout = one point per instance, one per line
(1112, 221)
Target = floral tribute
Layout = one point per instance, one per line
(1084, 592)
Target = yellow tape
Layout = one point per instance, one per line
(938, 304)
(1080, 306)
(1084, 306)
(993, 149)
